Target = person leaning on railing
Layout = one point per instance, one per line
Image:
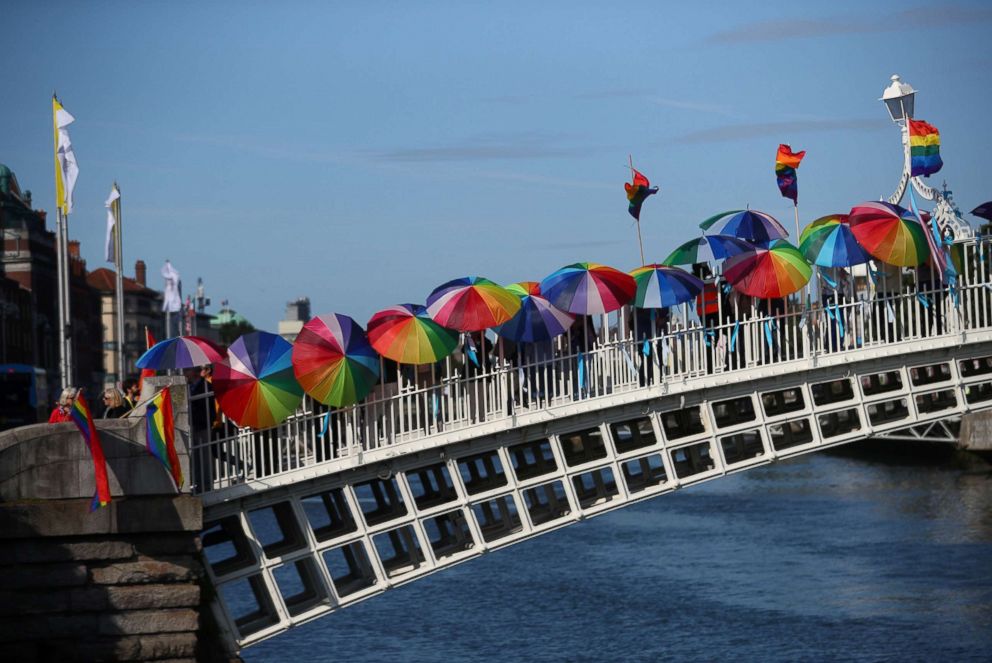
(114, 404)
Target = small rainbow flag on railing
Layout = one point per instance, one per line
(924, 148)
(637, 192)
(80, 413)
(786, 163)
(160, 435)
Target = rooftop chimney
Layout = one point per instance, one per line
(74, 248)
(140, 272)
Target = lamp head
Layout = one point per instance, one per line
(899, 98)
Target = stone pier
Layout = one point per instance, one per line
(123, 583)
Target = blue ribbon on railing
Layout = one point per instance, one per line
(890, 313)
(646, 348)
(327, 424)
(804, 319)
(470, 350)
(629, 360)
(839, 319)
(582, 370)
(768, 335)
(733, 336)
(830, 281)
(707, 335)
(727, 288)
(923, 299)
(435, 405)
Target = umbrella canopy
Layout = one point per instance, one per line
(588, 288)
(537, 320)
(890, 233)
(180, 352)
(333, 361)
(748, 224)
(406, 334)
(659, 286)
(829, 242)
(776, 271)
(708, 248)
(471, 303)
(255, 385)
(983, 211)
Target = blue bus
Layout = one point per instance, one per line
(23, 395)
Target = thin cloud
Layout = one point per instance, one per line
(589, 244)
(491, 148)
(618, 93)
(693, 106)
(917, 18)
(744, 131)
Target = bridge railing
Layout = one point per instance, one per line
(411, 405)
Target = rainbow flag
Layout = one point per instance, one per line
(80, 413)
(924, 148)
(786, 163)
(637, 192)
(160, 434)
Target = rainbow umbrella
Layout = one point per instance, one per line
(333, 361)
(537, 320)
(471, 303)
(890, 233)
(829, 242)
(748, 224)
(588, 288)
(255, 385)
(659, 286)
(180, 352)
(776, 271)
(708, 248)
(406, 334)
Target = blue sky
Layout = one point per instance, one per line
(361, 154)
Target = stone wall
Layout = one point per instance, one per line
(123, 583)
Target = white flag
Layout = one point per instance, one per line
(111, 220)
(66, 158)
(173, 301)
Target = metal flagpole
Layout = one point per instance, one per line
(61, 267)
(67, 299)
(119, 263)
(640, 244)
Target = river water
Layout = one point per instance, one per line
(821, 557)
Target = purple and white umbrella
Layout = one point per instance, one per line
(537, 320)
(180, 352)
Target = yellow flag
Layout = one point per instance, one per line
(66, 168)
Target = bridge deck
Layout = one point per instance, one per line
(301, 526)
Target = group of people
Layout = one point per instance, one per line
(117, 403)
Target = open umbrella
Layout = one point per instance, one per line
(983, 211)
(333, 361)
(708, 248)
(471, 303)
(890, 233)
(537, 320)
(255, 385)
(180, 352)
(748, 224)
(588, 288)
(829, 242)
(659, 286)
(775, 271)
(406, 334)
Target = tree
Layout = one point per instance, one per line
(230, 331)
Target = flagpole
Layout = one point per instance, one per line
(67, 300)
(119, 263)
(640, 244)
(60, 268)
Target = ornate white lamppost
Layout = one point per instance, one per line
(899, 100)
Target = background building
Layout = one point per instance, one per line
(142, 309)
(297, 314)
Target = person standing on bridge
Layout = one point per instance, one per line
(61, 413)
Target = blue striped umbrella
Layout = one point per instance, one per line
(659, 286)
(748, 224)
(180, 352)
(829, 242)
(537, 320)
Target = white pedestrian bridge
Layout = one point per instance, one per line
(436, 468)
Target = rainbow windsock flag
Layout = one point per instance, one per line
(786, 162)
(160, 434)
(637, 192)
(80, 413)
(924, 148)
